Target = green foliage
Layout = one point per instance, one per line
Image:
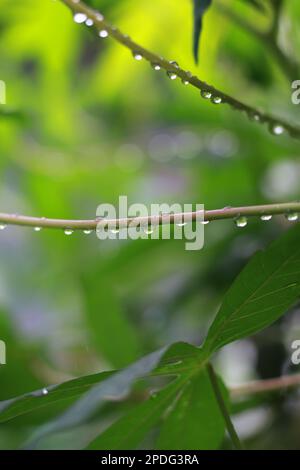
(189, 399)
(265, 290)
(200, 7)
(73, 309)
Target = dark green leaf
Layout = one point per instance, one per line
(129, 431)
(115, 387)
(200, 7)
(24, 404)
(265, 290)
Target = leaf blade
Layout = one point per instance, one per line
(258, 297)
(196, 405)
(200, 7)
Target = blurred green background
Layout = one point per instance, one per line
(85, 123)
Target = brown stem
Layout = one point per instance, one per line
(266, 386)
(163, 219)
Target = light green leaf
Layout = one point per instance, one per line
(265, 290)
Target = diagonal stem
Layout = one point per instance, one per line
(223, 408)
(277, 126)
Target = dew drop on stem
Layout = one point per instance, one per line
(206, 94)
(137, 55)
(80, 18)
(216, 100)
(266, 217)
(241, 221)
(103, 33)
(292, 216)
(172, 75)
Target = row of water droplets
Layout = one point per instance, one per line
(276, 129)
(240, 221)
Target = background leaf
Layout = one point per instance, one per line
(200, 7)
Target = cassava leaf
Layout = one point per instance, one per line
(200, 7)
(117, 386)
(32, 401)
(267, 287)
(129, 431)
(195, 411)
(185, 404)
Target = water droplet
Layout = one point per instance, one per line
(206, 94)
(45, 391)
(184, 81)
(137, 55)
(277, 129)
(2, 226)
(216, 100)
(103, 33)
(37, 229)
(68, 231)
(99, 17)
(205, 222)
(254, 116)
(80, 18)
(87, 232)
(172, 75)
(292, 216)
(174, 63)
(241, 221)
(89, 22)
(114, 230)
(266, 217)
(181, 224)
(156, 66)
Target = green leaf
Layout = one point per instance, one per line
(184, 404)
(129, 431)
(257, 4)
(194, 421)
(116, 387)
(200, 7)
(28, 402)
(265, 290)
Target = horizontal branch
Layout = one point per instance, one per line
(291, 210)
(96, 19)
(266, 386)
